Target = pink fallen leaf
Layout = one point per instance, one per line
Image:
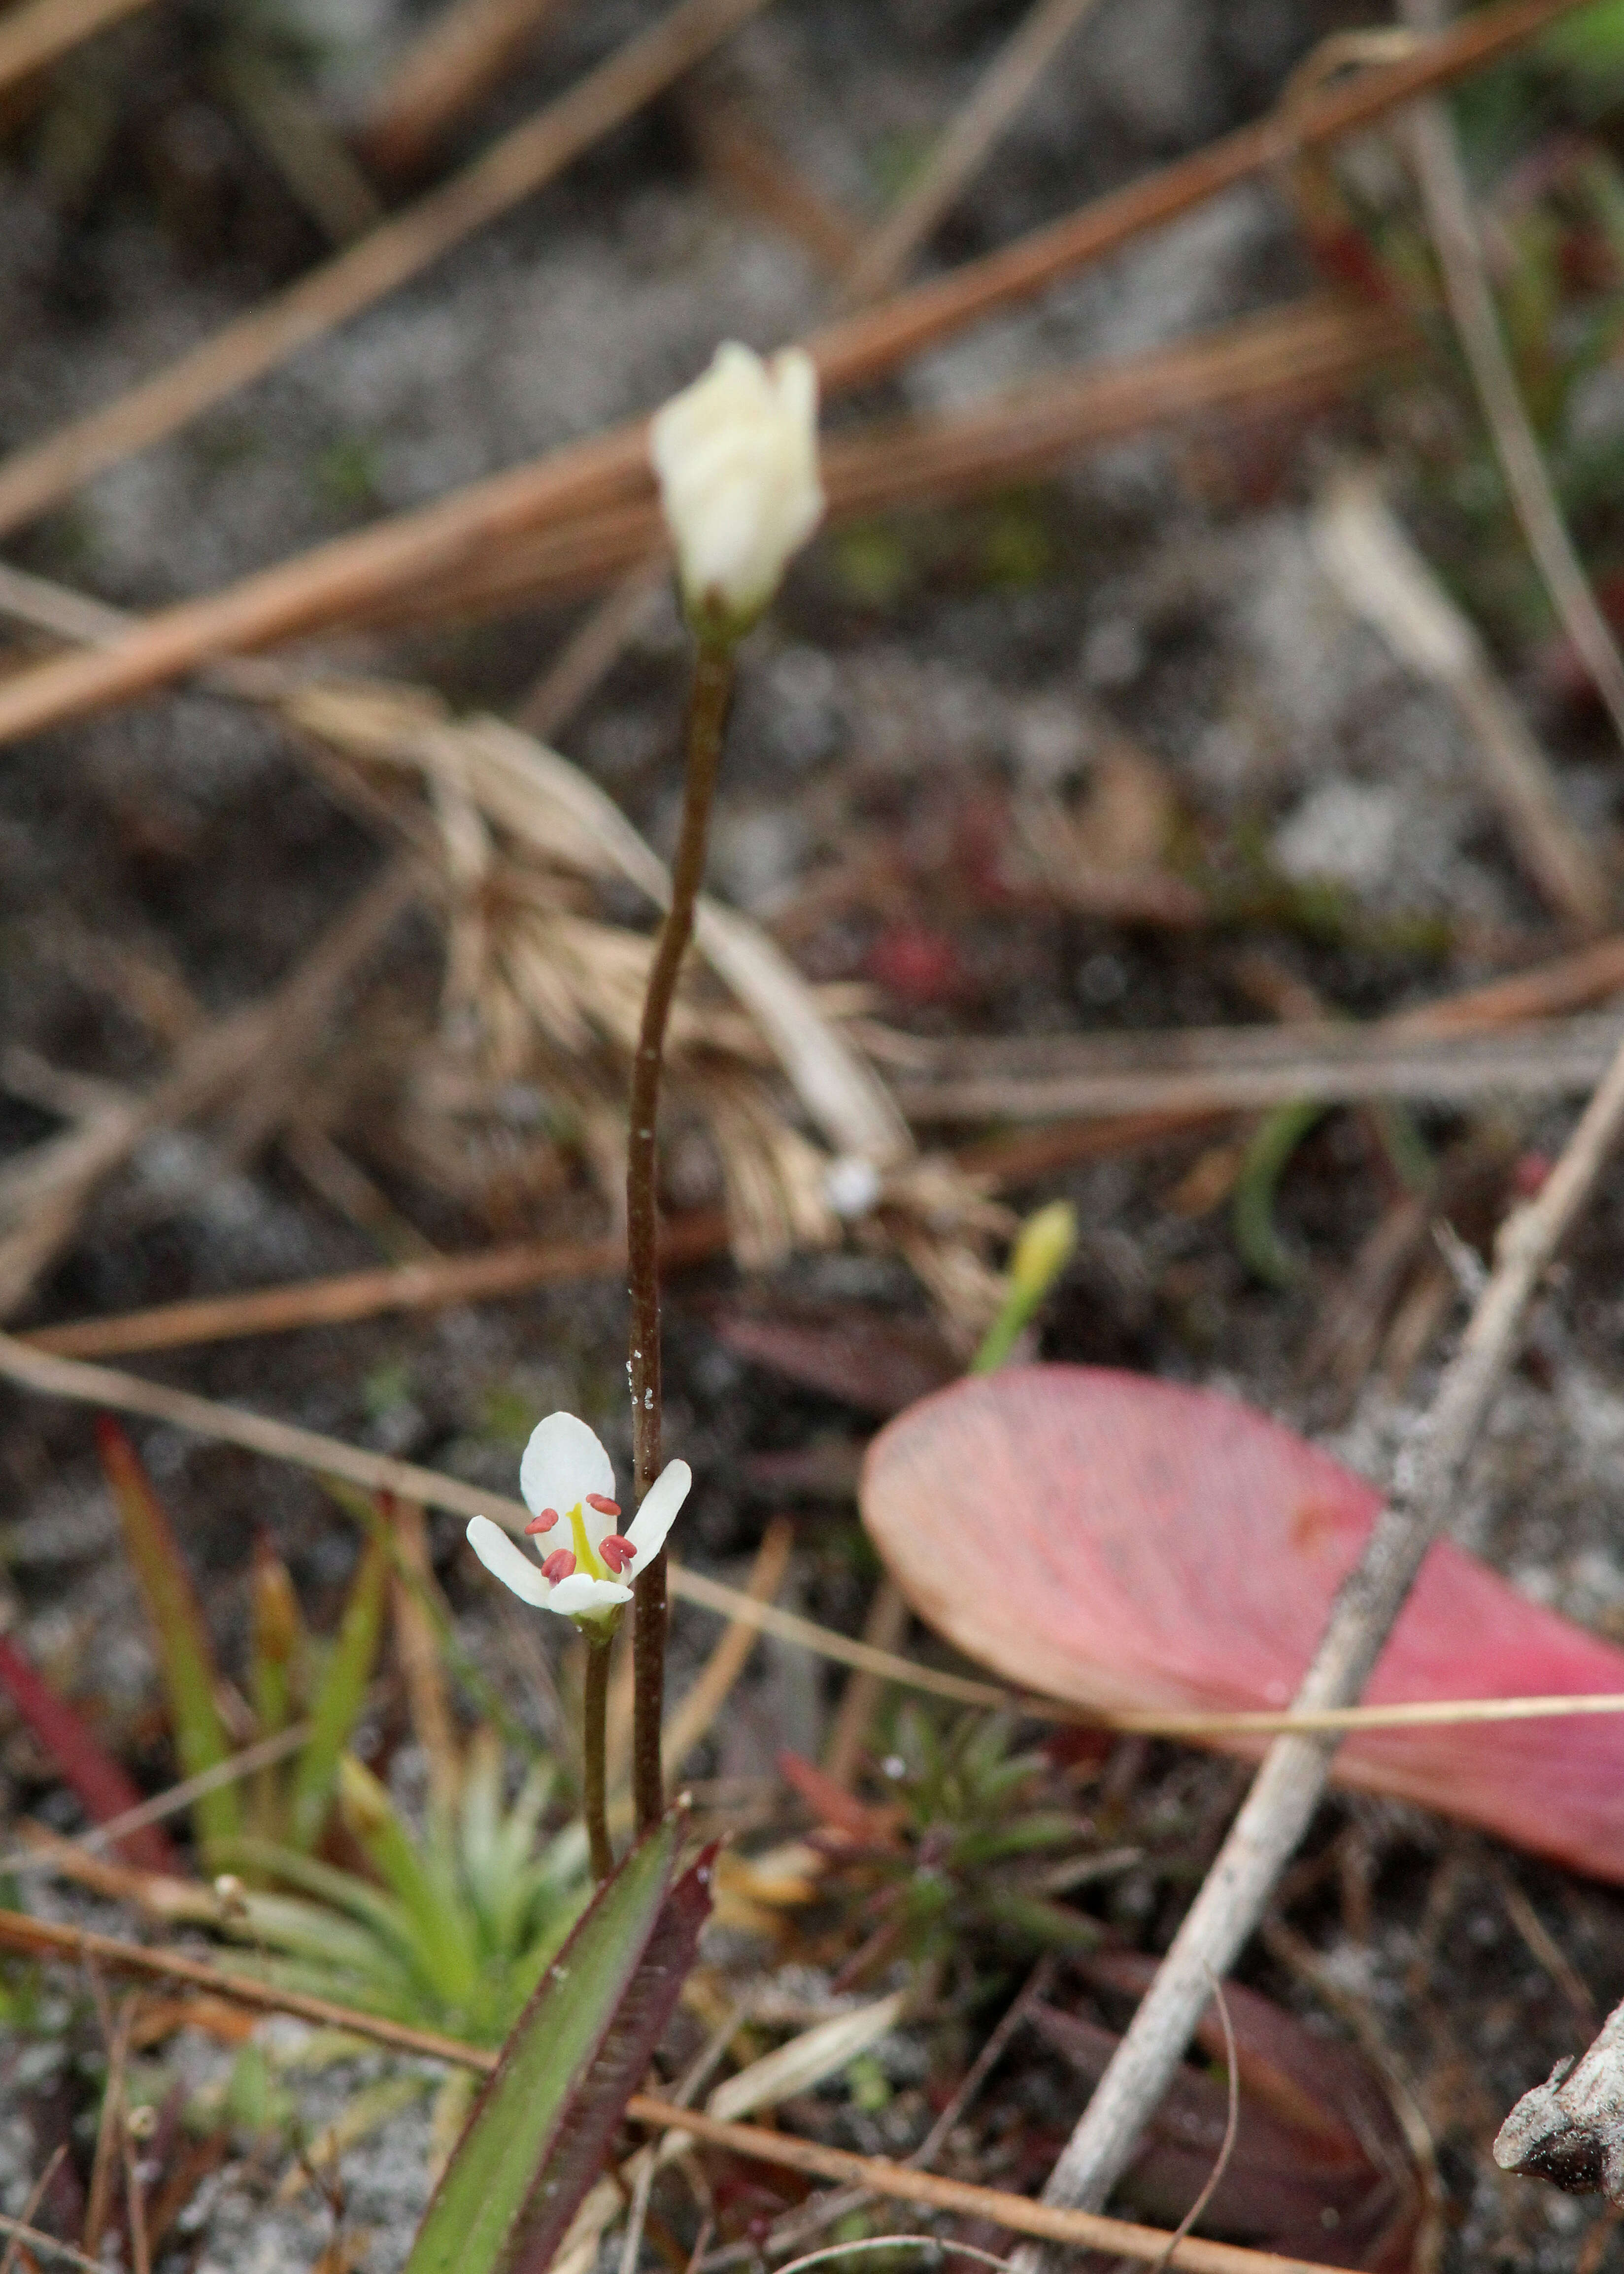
(1119, 1542)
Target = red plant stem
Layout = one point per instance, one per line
(709, 698)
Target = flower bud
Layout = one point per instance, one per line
(1043, 1247)
(736, 455)
(1042, 1250)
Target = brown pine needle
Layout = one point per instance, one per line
(1296, 355)
(432, 1284)
(349, 574)
(455, 63)
(307, 1449)
(32, 37)
(962, 149)
(43, 474)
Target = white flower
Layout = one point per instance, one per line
(567, 1481)
(736, 455)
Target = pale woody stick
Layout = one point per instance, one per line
(1292, 1780)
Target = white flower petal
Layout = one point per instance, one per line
(736, 455)
(654, 1520)
(578, 1593)
(505, 1560)
(562, 1464)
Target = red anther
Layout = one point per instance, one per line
(544, 1521)
(559, 1565)
(604, 1505)
(616, 1552)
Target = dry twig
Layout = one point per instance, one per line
(1384, 579)
(46, 1191)
(691, 1720)
(1287, 1788)
(1570, 2130)
(1239, 1069)
(1016, 2214)
(1472, 304)
(340, 1300)
(49, 2245)
(288, 127)
(1284, 360)
(961, 151)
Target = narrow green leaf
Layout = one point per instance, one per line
(276, 1656)
(334, 1890)
(442, 1924)
(340, 1698)
(185, 1655)
(538, 2137)
(491, 1705)
(1268, 1156)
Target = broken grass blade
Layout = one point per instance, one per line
(538, 2137)
(180, 1634)
(339, 1699)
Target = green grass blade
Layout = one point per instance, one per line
(339, 1699)
(442, 1927)
(333, 1890)
(275, 1655)
(185, 1655)
(538, 2137)
(486, 1698)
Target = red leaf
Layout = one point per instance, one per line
(1120, 1541)
(835, 1808)
(1322, 2173)
(81, 1760)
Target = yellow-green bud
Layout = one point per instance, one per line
(1046, 1244)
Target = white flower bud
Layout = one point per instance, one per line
(736, 455)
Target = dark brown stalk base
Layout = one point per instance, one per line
(707, 719)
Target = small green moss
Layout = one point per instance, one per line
(868, 2084)
(873, 564)
(507, 1415)
(345, 475)
(1018, 551)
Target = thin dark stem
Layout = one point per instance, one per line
(707, 719)
(594, 1777)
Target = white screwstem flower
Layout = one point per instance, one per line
(736, 455)
(567, 1481)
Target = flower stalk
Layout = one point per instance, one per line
(736, 457)
(710, 695)
(594, 1756)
